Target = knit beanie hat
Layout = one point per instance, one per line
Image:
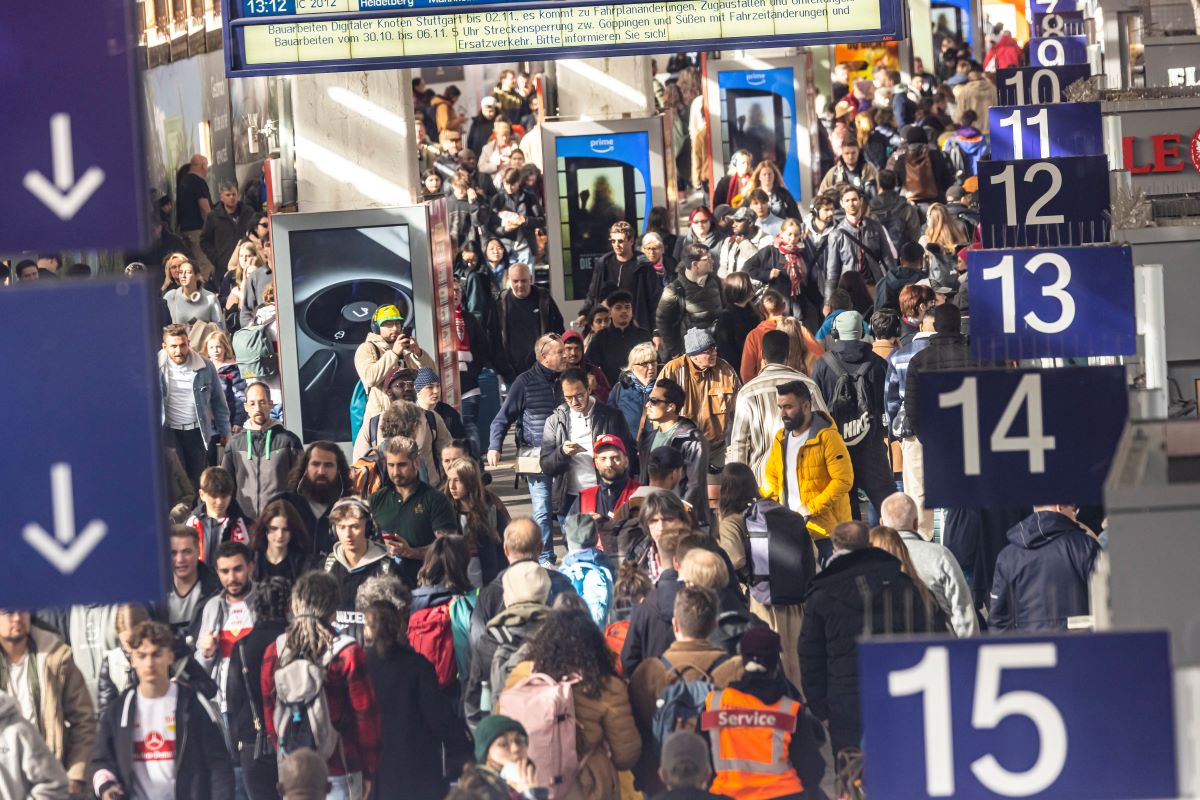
(580, 531)
(491, 728)
(697, 341)
(526, 582)
(848, 325)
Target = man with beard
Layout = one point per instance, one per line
(808, 469)
(319, 479)
(666, 428)
(228, 616)
(853, 169)
(410, 513)
(262, 454)
(614, 486)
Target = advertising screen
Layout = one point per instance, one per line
(289, 36)
(758, 115)
(339, 277)
(601, 179)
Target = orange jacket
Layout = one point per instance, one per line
(750, 744)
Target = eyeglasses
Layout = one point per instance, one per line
(646, 364)
(575, 398)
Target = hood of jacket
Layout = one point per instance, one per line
(768, 687)
(375, 552)
(820, 422)
(969, 132)
(589, 556)
(517, 621)
(45, 641)
(1040, 528)
(902, 276)
(851, 351)
(885, 203)
(430, 596)
(849, 575)
(917, 154)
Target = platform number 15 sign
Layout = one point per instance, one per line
(1072, 716)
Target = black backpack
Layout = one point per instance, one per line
(850, 402)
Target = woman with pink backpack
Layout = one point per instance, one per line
(567, 695)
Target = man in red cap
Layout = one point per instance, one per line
(570, 436)
(614, 486)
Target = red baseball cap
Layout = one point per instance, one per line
(608, 440)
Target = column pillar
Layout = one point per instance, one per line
(354, 140)
(604, 88)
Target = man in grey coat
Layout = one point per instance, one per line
(935, 565)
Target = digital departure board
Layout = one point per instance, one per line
(269, 37)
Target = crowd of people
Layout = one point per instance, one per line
(724, 459)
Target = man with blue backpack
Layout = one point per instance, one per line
(668, 693)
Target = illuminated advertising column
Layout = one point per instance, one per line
(759, 105)
(597, 173)
(333, 270)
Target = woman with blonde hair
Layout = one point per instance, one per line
(255, 276)
(864, 123)
(171, 271)
(888, 540)
(942, 229)
(480, 520)
(219, 350)
(634, 385)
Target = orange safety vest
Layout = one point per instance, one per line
(750, 742)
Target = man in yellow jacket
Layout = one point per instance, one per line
(808, 469)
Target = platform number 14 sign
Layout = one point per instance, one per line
(1038, 717)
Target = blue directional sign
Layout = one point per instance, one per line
(1019, 86)
(1044, 131)
(82, 519)
(1068, 717)
(1059, 23)
(1064, 302)
(1022, 437)
(1052, 6)
(72, 171)
(1046, 202)
(1057, 50)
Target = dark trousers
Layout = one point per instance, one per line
(872, 473)
(193, 451)
(260, 777)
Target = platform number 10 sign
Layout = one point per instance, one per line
(1019, 437)
(1019, 718)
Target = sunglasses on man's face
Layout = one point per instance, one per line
(656, 401)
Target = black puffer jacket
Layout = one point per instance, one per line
(1042, 576)
(602, 419)
(859, 591)
(686, 304)
(945, 351)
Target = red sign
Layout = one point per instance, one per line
(1167, 154)
(443, 282)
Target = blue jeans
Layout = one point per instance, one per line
(539, 495)
(470, 418)
(345, 787)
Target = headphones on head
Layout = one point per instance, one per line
(361, 506)
(388, 313)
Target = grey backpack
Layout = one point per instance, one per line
(301, 709)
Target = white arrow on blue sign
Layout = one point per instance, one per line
(82, 519)
(72, 176)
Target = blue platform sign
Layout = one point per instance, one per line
(1019, 437)
(1047, 202)
(1052, 6)
(1045, 131)
(1019, 86)
(72, 171)
(1064, 302)
(1056, 717)
(1056, 51)
(82, 519)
